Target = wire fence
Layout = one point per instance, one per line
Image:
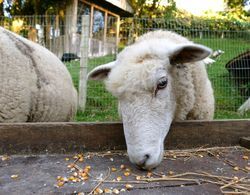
(229, 74)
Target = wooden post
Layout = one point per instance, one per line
(83, 63)
(117, 34)
(91, 21)
(105, 34)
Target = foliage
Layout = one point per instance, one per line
(145, 8)
(233, 18)
(34, 7)
(1, 8)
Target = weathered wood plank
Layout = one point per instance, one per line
(38, 173)
(65, 137)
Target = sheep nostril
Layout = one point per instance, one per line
(142, 163)
(147, 156)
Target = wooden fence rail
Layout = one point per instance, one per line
(75, 137)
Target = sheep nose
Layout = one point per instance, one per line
(141, 164)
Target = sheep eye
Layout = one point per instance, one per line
(162, 83)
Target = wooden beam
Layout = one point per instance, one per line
(105, 28)
(100, 8)
(75, 137)
(91, 22)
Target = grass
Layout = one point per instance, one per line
(228, 98)
(102, 106)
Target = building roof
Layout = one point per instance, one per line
(120, 7)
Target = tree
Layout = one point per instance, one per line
(1, 8)
(145, 8)
(235, 8)
(35, 7)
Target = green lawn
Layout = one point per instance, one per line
(102, 106)
(227, 96)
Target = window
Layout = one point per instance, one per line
(98, 24)
(111, 28)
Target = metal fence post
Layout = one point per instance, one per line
(82, 90)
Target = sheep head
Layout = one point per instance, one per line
(142, 80)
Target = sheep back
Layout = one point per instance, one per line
(35, 86)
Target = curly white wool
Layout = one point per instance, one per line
(35, 85)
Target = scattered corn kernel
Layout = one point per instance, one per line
(247, 168)
(122, 190)
(59, 177)
(149, 174)
(107, 191)
(116, 191)
(65, 179)
(71, 178)
(236, 168)
(127, 173)
(138, 177)
(245, 157)
(85, 178)
(122, 166)
(67, 159)
(128, 169)
(71, 165)
(75, 174)
(170, 172)
(236, 178)
(60, 183)
(119, 178)
(81, 159)
(14, 176)
(129, 186)
(99, 191)
(113, 169)
(88, 167)
(83, 174)
(5, 157)
(200, 155)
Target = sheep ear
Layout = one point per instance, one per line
(101, 72)
(189, 53)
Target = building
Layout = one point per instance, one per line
(104, 25)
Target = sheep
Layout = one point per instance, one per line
(159, 79)
(35, 85)
(245, 107)
(215, 55)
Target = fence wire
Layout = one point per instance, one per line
(230, 41)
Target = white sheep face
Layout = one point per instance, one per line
(142, 80)
(147, 115)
